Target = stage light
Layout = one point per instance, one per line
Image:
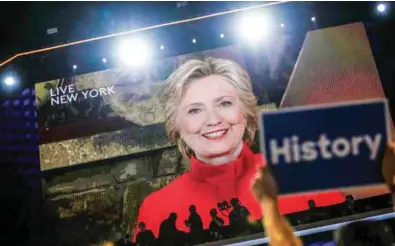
(75, 67)
(282, 25)
(381, 7)
(134, 52)
(162, 47)
(313, 19)
(104, 60)
(194, 41)
(221, 35)
(254, 28)
(9, 81)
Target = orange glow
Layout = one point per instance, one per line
(108, 244)
(251, 220)
(136, 30)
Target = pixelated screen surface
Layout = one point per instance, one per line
(111, 165)
(343, 70)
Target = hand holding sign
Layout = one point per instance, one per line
(277, 228)
(388, 168)
(265, 190)
(264, 186)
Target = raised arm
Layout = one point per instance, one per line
(277, 228)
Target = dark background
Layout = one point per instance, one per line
(24, 25)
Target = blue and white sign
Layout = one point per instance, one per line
(326, 147)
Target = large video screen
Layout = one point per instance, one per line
(124, 152)
(119, 112)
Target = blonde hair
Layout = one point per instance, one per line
(197, 69)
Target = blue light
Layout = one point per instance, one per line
(135, 52)
(255, 28)
(381, 7)
(9, 81)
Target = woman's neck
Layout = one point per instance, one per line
(223, 159)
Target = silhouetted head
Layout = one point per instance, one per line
(235, 202)
(311, 203)
(349, 199)
(173, 216)
(142, 226)
(192, 209)
(358, 233)
(213, 212)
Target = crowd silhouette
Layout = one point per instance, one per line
(240, 223)
(170, 235)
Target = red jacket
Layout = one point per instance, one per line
(206, 185)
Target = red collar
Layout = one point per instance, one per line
(230, 171)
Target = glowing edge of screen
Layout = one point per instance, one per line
(320, 229)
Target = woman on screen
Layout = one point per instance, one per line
(211, 116)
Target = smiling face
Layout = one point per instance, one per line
(210, 118)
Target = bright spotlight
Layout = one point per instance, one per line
(381, 7)
(221, 35)
(134, 52)
(162, 47)
(282, 25)
(9, 81)
(75, 67)
(194, 41)
(254, 28)
(313, 19)
(104, 60)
